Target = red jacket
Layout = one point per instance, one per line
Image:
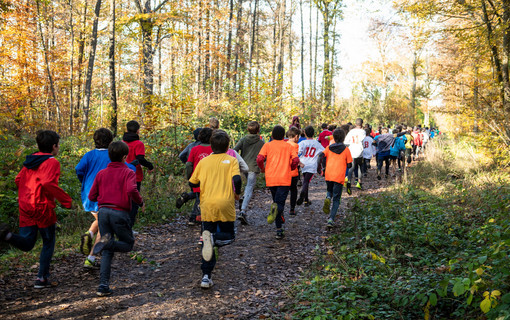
(115, 187)
(38, 188)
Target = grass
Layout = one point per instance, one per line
(435, 247)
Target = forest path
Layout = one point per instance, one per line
(250, 277)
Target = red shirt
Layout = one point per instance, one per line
(322, 138)
(196, 154)
(136, 148)
(115, 187)
(37, 190)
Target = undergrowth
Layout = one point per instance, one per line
(435, 247)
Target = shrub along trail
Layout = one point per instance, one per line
(163, 279)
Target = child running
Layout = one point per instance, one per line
(335, 159)
(309, 150)
(38, 188)
(280, 159)
(86, 170)
(214, 175)
(293, 135)
(114, 189)
(354, 140)
(368, 151)
(249, 147)
(136, 152)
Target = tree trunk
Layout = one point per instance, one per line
(412, 102)
(229, 43)
(71, 78)
(326, 77)
(90, 68)
(239, 36)
(111, 58)
(311, 51)
(81, 49)
(281, 31)
(302, 59)
(252, 48)
(315, 54)
(47, 64)
(207, 62)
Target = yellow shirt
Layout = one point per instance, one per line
(215, 173)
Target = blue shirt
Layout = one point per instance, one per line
(87, 169)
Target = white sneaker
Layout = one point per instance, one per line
(207, 248)
(206, 282)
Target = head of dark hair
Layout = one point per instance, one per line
(385, 130)
(102, 138)
(324, 126)
(253, 127)
(46, 139)
(346, 128)
(219, 141)
(359, 122)
(196, 132)
(278, 132)
(205, 135)
(339, 135)
(332, 127)
(309, 131)
(397, 130)
(117, 150)
(368, 131)
(293, 132)
(214, 123)
(132, 126)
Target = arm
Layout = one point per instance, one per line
(237, 184)
(294, 164)
(239, 145)
(132, 191)
(260, 162)
(183, 156)
(144, 162)
(242, 164)
(81, 168)
(189, 169)
(321, 162)
(50, 184)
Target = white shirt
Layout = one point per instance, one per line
(368, 147)
(308, 154)
(354, 140)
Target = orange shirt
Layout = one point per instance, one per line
(295, 172)
(279, 155)
(336, 165)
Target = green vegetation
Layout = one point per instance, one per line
(435, 247)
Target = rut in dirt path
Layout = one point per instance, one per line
(250, 276)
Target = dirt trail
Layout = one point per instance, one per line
(250, 277)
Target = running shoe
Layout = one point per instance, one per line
(330, 223)
(273, 213)
(358, 185)
(242, 217)
(207, 248)
(41, 284)
(86, 243)
(200, 241)
(280, 234)
(206, 282)
(99, 247)
(89, 264)
(326, 206)
(181, 200)
(308, 203)
(300, 199)
(292, 212)
(348, 188)
(103, 291)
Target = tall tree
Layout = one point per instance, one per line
(90, 68)
(111, 57)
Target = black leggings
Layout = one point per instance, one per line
(307, 177)
(293, 192)
(386, 160)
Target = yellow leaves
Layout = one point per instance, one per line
(479, 271)
(492, 220)
(330, 252)
(377, 258)
(489, 300)
(426, 311)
